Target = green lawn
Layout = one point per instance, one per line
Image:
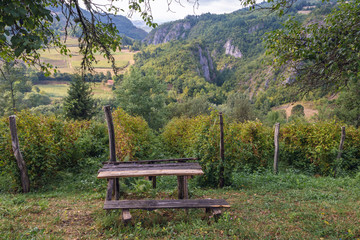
(263, 206)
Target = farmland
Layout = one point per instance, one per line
(67, 64)
(58, 90)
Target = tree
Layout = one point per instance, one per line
(323, 54)
(26, 28)
(298, 110)
(143, 95)
(348, 105)
(12, 86)
(239, 108)
(79, 103)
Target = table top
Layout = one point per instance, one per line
(157, 169)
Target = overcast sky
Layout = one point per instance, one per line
(161, 13)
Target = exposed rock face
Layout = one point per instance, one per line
(167, 33)
(206, 64)
(256, 27)
(232, 50)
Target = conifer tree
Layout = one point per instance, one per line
(79, 103)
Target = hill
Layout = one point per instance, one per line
(123, 24)
(217, 55)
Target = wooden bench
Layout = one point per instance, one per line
(213, 205)
(181, 168)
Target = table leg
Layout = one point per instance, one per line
(110, 188)
(117, 189)
(154, 182)
(183, 187)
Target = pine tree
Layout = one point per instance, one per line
(79, 104)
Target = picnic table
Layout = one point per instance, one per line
(152, 168)
(183, 168)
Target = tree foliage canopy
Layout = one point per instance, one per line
(26, 28)
(324, 54)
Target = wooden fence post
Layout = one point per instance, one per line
(113, 185)
(25, 183)
(221, 172)
(276, 143)
(341, 146)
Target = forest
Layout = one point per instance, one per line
(255, 66)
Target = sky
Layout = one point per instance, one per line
(162, 14)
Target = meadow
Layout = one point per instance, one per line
(57, 90)
(263, 206)
(67, 64)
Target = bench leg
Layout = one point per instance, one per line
(154, 182)
(126, 216)
(117, 189)
(216, 212)
(183, 187)
(110, 188)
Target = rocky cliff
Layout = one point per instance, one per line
(167, 32)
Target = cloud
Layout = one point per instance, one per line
(161, 12)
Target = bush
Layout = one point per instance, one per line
(246, 144)
(48, 145)
(134, 139)
(309, 147)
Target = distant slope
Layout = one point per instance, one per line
(215, 55)
(123, 24)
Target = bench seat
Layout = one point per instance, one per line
(157, 204)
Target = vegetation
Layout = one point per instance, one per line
(287, 205)
(79, 103)
(16, 89)
(167, 106)
(142, 94)
(324, 54)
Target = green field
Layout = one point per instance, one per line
(263, 206)
(67, 64)
(59, 90)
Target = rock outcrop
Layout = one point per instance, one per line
(232, 50)
(207, 65)
(169, 32)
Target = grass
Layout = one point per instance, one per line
(59, 91)
(68, 64)
(263, 206)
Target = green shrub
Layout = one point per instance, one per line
(49, 145)
(134, 139)
(309, 147)
(246, 144)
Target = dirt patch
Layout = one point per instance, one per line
(309, 109)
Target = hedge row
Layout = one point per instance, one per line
(50, 145)
(308, 147)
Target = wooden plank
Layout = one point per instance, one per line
(144, 173)
(153, 182)
(216, 211)
(110, 189)
(222, 157)
(126, 216)
(159, 204)
(276, 152)
(341, 146)
(25, 182)
(116, 168)
(106, 166)
(182, 187)
(153, 161)
(111, 132)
